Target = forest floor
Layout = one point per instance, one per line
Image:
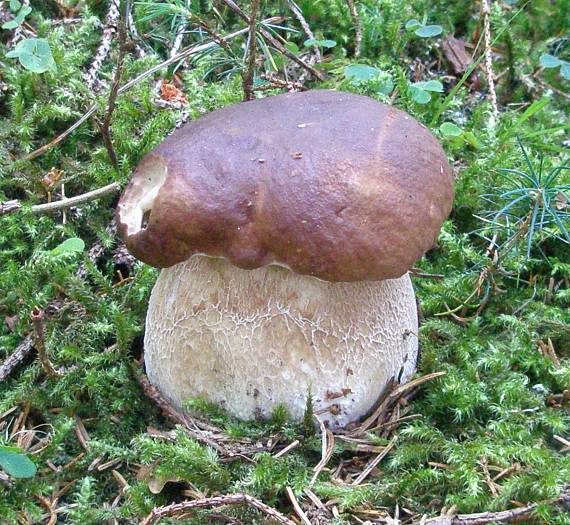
(85, 440)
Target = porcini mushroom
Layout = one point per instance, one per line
(286, 227)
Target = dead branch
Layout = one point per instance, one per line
(486, 10)
(38, 322)
(113, 94)
(275, 43)
(251, 50)
(218, 501)
(16, 357)
(305, 25)
(178, 418)
(504, 516)
(279, 83)
(357, 28)
(181, 56)
(109, 31)
(50, 207)
(178, 39)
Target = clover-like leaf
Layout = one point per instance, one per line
(430, 85)
(413, 24)
(429, 31)
(419, 95)
(386, 87)
(15, 463)
(565, 70)
(449, 129)
(320, 43)
(18, 19)
(360, 72)
(549, 61)
(34, 54)
(72, 245)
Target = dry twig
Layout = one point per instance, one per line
(16, 357)
(486, 10)
(38, 322)
(374, 463)
(218, 501)
(305, 25)
(505, 516)
(275, 43)
(390, 400)
(251, 50)
(50, 207)
(105, 46)
(169, 411)
(357, 28)
(114, 93)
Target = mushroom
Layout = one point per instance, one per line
(286, 227)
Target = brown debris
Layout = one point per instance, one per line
(455, 51)
(170, 93)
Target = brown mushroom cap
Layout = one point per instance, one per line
(329, 184)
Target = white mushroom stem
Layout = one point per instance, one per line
(251, 340)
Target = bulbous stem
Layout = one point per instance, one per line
(250, 340)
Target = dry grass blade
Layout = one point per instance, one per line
(390, 400)
(373, 463)
(326, 451)
(298, 510)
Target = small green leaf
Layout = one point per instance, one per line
(419, 95)
(34, 54)
(565, 70)
(471, 139)
(430, 85)
(15, 5)
(72, 245)
(291, 46)
(429, 31)
(18, 19)
(549, 61)
(386, 87)
(16, 464)
(360, 72)
(320, 43)
(11, 24)
(449, 129)
(413, 24)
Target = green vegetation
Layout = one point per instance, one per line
(498, 322)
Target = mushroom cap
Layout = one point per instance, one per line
(326, 183)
